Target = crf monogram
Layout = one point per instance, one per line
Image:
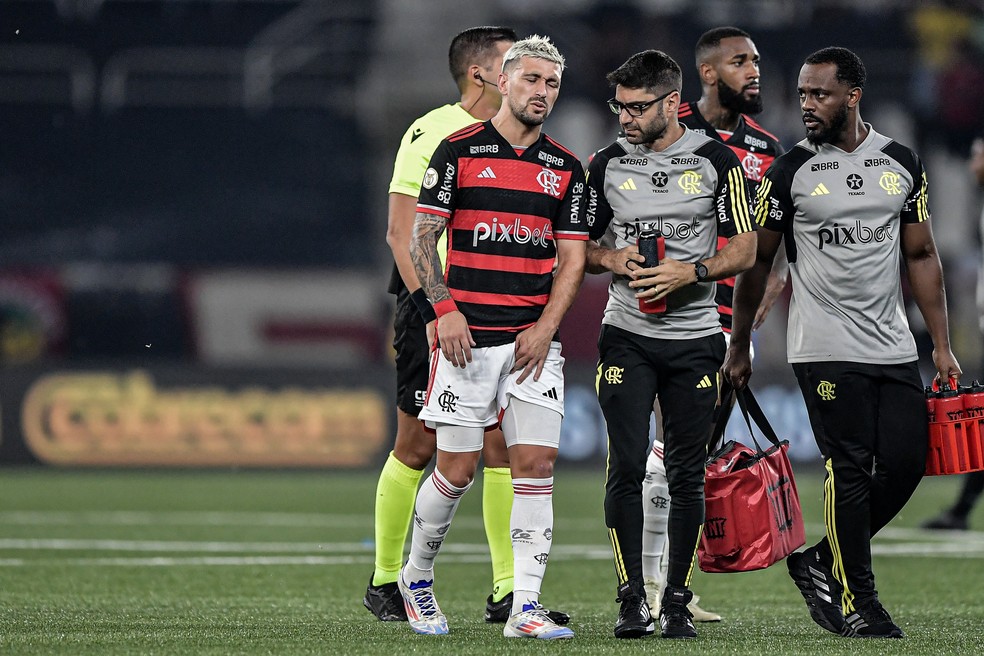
(752, 166)
(714, 528)
(890, 182)
(447, 400)
(613, 375)
(826, 390)
(690, 182)
(550, 181)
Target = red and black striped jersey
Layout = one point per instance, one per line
(756, 149)
(505, 209)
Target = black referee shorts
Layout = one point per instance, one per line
(412, 355)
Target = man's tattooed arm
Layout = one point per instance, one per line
(426, 262)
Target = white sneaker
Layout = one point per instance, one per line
(654, 595)
(423, 613)
(534, 624)
(701, 615)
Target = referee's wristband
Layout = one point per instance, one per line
(424, 307)
(444, 307)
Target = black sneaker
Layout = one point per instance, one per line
(675, 619)
(819, 588)
(634, 617)
(385, 602)
(498, 612)
(946, 521)
(871, 621)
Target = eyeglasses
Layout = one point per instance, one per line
(635, 109)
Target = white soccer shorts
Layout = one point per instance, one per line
(473, 396)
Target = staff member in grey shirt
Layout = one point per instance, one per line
(848, 201)
(692, 189)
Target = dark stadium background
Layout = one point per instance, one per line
(193, 194)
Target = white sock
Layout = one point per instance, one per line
(655, 513)
(531, 524)
(436, 502)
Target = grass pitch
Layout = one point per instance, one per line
(158, 562)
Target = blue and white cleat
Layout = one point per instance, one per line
(423, 613)
(535, 623)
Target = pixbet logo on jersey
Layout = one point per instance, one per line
(669, 230)
(512, 232)
(855, 233)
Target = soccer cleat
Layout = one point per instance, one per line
(634, 617)
(947, 521)
(385, 602)
(535, 623)
(674, 616)
(654, 594)
(423, 613)
(819, 588)
(497, 612)
(871, 621)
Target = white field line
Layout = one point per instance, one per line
(212, 518)
(909, 542)
(360, 554)
(334, 548)
(330, 520)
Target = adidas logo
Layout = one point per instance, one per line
(705, 382)
(487, 173)
(821, 190)
(629, 185)
(551, 393)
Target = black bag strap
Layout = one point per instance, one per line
(750, 410)
(727, 401)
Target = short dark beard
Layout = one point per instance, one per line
(736, 100)
(827, 134)
(651, 136)
(528, 119)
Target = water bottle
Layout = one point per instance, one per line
(973, 401)
(949, 405)
(652, 247)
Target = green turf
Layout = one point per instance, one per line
(151, 562)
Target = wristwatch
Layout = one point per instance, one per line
(700, 271)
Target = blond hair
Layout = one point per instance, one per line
(536, 46)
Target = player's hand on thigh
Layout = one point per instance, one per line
(455, 338)
(532, 347)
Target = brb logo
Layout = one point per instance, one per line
(514, 232)
(550, 181)
(839, 235)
